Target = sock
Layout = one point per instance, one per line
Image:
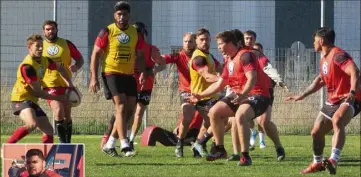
(261, 137)
(47, 139)
(335, 153)
(317, 158)
(220, 147)
(252, 139)
(205, 138)
(132, 136)
(105, 138)
(245, 154)
(180, 142)
(110, 125)
(111, 142)
(124, 143)
(69, 131)
(61, 130)
(18, 134)
(236, 153)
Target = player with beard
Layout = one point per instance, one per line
(339, 73)
(152, 59)
(202, 69)
(35, 165)
(61, 51)
(181, 60)
(119, 47)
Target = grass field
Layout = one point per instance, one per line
(160, 160)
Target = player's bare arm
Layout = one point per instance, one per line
(203, 70)
(157, 57)
(316, 85)
(94, 65)
(76, 55)
(211, 90)
(251, 81)
(38, 92)
(141, 65)
(79, 62)
(354, 73)
(64, 75)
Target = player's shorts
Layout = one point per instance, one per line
(182, 97)
(17, 106)
(144, 97)
(153, 134)
(206, 105)
(329, 109)
(55, 91)
(272, 96)
(115, 84)
(258, 103)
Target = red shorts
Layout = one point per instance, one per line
(55, 91)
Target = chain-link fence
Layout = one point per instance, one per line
(277, 30)
(92, 116)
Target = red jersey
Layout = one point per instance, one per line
(263, 60)
(332, 70)
(235, 69)
(181, 59)
(46, 173)
(149, 64)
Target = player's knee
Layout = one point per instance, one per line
(49, 131)
(337, 122)
(242, 120)
(214, 113)
(31, 126)
(315, 133)
(120, 108)
(264, 123)
(57, 110)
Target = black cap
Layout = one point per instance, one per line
(141, 28)
(122, 5)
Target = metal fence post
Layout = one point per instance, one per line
(54, 18)
(322, 24)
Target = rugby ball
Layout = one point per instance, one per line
(74, 97)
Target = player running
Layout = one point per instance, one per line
(61, 51)
(28, 89)
(340, 75)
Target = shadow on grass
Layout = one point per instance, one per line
(350, 160)
(157, 164)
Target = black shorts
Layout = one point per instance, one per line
(258, 103)
(205, 105)
(328, 109)
(115, 84)
(144, 97)
(272, 96)
(182, 96)
(17, 106)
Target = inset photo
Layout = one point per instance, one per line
(43, 160)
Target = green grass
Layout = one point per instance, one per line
(160, 160)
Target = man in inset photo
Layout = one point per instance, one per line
(35, 165)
